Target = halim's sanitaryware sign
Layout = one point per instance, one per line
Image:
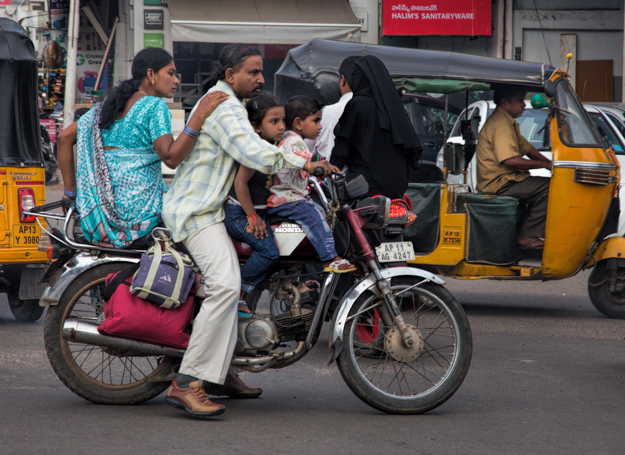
(438, 17)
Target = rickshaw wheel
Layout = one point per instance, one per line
(610, 303)
(24, 310)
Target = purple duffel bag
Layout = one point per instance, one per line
(165, 275)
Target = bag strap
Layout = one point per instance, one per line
(118, 279)
(157, 255)
(169, 246)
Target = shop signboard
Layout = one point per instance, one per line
(153, 19)
(88, 64)
(64, 4)
(153, 40)
(437, 17)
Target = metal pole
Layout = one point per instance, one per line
(508, 18)
(623, 89)
(70, 75)
(106, 53)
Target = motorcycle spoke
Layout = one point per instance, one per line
(90, 351)
(107, 368)
(97, 366)
(108, 362)
(431, 365)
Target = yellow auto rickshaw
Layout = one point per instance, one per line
(22, 174)
(473, 236)
(465, 235)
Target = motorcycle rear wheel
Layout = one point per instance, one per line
(417, 382)
(90, 371)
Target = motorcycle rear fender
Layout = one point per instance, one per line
(71, 270)
(368, 284)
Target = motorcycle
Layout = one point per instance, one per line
(401, 341)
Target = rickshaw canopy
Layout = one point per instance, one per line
(20, 144)
(312, 69)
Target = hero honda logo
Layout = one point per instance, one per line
(288, 228)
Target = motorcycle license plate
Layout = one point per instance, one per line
(395, 252)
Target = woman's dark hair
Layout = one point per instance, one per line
(258, 106)
(232, 56)
(299, 106)
(151, 57)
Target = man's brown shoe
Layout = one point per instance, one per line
(193, 400)
(233, 387)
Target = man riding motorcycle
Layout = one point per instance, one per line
(192, 210)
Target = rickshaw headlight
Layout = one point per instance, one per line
(26, 200)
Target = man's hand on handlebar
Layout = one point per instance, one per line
(319, 168)
(67, 202)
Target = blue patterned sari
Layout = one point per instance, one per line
(120, 191)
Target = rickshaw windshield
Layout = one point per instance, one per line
(573, 122)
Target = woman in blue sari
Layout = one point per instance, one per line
(117, 181)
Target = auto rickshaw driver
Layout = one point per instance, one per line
(502, 169)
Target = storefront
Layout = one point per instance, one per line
(201, 28)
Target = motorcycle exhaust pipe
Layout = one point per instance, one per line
(86, 332)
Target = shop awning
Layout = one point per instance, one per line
(262, 21)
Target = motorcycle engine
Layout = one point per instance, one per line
(256, 334)
(295, 326)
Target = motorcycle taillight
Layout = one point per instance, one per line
(398, 210)
(26, 201)
(400, 214)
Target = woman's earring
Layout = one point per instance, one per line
(152, 81)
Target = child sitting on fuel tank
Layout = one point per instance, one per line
(289, 193)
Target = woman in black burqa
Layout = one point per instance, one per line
(374, 136)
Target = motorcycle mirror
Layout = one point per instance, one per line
(357, 187)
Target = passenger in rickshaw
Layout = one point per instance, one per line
(374, 136)
(118, 184)
(503, 170)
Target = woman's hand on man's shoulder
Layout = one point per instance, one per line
(210, 101)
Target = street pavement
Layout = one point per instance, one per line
(547, 377)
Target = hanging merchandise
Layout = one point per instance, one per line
(53, 55)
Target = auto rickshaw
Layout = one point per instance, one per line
(472, 236)
(22, 174)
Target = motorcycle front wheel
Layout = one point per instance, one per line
(96, 373)
(385, 374)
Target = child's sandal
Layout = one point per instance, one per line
(335, 267)
(243, 310)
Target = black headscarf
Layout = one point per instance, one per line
(376, 124)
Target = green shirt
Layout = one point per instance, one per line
(203, 179)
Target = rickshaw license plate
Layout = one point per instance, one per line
(26, 235)
(395, 252)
